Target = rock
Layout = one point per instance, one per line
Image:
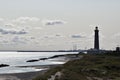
(4, 65)
(43, 58)
(34, 60)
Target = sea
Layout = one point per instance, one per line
(15, 59)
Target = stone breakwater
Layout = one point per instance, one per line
(4, 65)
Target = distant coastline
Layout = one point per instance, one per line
(52, 51)
(41, 51)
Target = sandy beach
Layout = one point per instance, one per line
(21, 76)
(27, 75)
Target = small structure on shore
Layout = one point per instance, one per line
(117, 49)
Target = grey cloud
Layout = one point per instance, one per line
(53, 36)
(20, 32)
(9, 25)
(77, 36)
(58, 35)
(116, 35)
(49, 36)
(18, 40)
(53, 22)
(26, 19)
(32, 37)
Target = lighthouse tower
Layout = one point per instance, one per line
(96, 39)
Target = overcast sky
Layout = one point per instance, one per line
(58, 24)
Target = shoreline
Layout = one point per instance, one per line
(21, 76)
(32, 75)
(27, 75)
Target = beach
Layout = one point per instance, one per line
(21, 76)
(32, 75)
(27, 75)
(15, 60)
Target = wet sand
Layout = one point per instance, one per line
(27, 75)
(21, 76)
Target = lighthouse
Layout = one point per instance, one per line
(96, 39)
(96, 48)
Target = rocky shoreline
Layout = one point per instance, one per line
(35, 60)
(21, 76)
